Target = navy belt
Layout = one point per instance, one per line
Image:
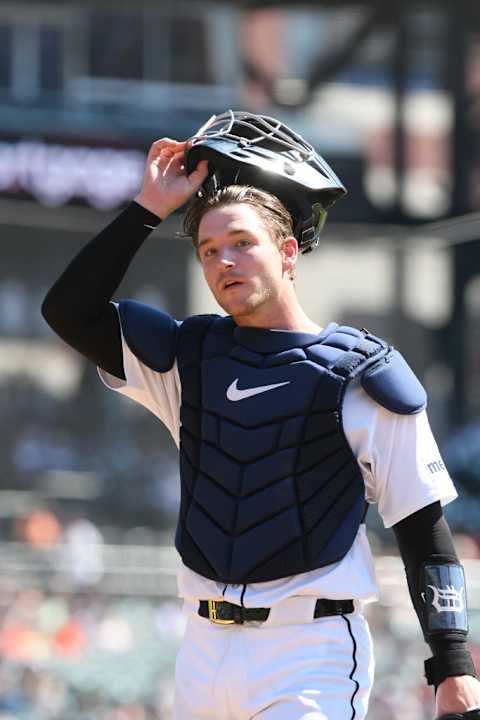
(225, 613)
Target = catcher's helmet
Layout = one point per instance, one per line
(247, 149)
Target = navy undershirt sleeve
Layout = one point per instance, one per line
(78, 306)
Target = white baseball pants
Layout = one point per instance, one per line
(277, 670)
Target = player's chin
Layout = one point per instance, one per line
(235, 303)
(231, 308)
(237, 306)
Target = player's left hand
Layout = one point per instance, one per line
(456, 695)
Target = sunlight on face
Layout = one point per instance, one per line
(240, 260)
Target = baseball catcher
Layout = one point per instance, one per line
(286, 431)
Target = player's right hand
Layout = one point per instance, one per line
(166, 185)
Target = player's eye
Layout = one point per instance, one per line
(243, 243)
(209, 252)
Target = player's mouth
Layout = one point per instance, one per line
(230, 284)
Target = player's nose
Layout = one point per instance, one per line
(225, 261)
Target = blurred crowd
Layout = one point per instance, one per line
(101, 456)
(86, 656)
(74, 480)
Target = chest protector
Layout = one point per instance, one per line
(270, 486)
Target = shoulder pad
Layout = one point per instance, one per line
(191, 334)
(392, 383)
(150, 334)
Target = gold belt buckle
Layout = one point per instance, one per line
(212, 614)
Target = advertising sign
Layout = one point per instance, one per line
(56, 173)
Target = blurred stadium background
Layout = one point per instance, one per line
(390, 94)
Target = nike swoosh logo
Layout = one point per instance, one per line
(234, 394)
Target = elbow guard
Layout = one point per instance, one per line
(443, 592)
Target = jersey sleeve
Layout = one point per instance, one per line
(157, 391)
(398, 456)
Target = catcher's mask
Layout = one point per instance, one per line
(247, 149)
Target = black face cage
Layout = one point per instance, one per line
(246, 130)
(257, 129)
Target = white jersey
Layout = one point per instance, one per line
(399, 461)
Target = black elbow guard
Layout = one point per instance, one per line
(443, 592)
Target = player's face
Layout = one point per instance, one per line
(243, 266)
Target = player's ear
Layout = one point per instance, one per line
(289, 251)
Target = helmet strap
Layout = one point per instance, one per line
(319, 218)
(311, 228)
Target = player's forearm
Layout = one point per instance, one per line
(80, 296)
(425, 538)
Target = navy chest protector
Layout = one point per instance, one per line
(269, 484)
